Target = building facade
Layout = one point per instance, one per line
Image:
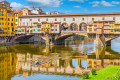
(92, 23)
(9, 19)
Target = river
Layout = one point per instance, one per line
(58, 62)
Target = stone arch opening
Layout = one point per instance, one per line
(64, 27)
(83, 26)
(73, 27)
(74, 63)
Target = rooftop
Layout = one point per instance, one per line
(84, 14)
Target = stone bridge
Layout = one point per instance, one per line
(101, 39)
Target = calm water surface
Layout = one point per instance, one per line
(60, 62)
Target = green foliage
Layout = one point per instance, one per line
(93, 71)
(85, 76)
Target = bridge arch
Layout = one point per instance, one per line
(73, 27)
(64, 27)
(28, 39)
(83, 26)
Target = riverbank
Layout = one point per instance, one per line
(104, 73)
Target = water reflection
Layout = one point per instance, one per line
(18, 62)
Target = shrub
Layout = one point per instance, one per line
(85, 76)
(93, 71)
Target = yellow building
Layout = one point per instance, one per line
(8, 19)
(46, 27)
(107, 27)
(11, 23)
(3, 19)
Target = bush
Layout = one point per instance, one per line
(93, 71)
(85, 76)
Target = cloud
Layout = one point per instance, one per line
(45, 3)
(79, 0)
(101, 3)
(16, 5)
(115, 2)
(77, 6)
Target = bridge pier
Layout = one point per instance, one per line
(100, 40)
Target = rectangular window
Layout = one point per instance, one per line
(11, 24)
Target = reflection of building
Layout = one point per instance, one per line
(7, 65)
(99, 63)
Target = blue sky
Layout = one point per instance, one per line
(70, 6)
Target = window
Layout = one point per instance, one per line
(55, 19)
(113, 18)
(46, 19)
(95, 25)
(93, 19)
(20, 19)
(16, 20)
(82, 18)
(73, 19)
(94, 29)
(8, 19)
(12, 19)
(13, 29)
(64, 19)
(30, 19)
(103, 18)
(38, 19)
(99, 29)
(11, 24)
(111, 30)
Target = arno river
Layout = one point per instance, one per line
(60, 62)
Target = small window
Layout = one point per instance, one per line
(113, 18)
(46, 19)
(103, 18)
(73, 19)
(64, 19)
(30, 19)
(82, 18)
(93, 19)
(38, 19)
(55, 19)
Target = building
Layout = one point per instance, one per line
(3, 18)
(8, 19)
(53, 13)
(39, 28)
(106, 27)
(90, 22)
(32, 11)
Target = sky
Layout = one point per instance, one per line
(70, 6)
